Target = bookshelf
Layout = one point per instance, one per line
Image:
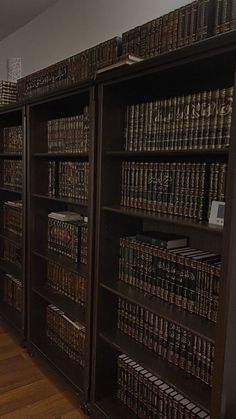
(42, 292)
(13, 220)
(205, 66)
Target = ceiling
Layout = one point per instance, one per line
(16, 13)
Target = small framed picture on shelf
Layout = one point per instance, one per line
(217, 213)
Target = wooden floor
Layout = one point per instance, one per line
(28, 388)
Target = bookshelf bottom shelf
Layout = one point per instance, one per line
(110, 408)
(12, 317)
(72, 373)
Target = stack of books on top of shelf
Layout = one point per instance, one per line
(13, 139)
(8, 93)
(71, 71)
(12, 294)
(68, 235)
(148, 395)
(66, 334)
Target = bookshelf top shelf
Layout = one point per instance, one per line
(215, 46)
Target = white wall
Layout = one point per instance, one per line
(70, 26)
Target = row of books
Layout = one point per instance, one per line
(8, 93)
(225, 16)
(71, 71)
(12, 292)
(12, 217)
(178, 28)
(70, 284)
(148, 396)
(173, 188)
(66, 334)
(12, 173)
(72, 177)
(69, 134)
(68, 235)
(174, 343)
(12, 254)
(200, 121)
(186, 277)
(13, 139)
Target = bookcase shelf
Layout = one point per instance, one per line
(10, 155)
(63, 303)
(83, 205)
(191, 322)
(13, 276)
(69, 156)
(167, 219)
(205, 66)
(61, 260)
(42, 296)
(167, 153)
(169, 373)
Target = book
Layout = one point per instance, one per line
(164, 337)
(163, 240)
(66, 216)
(124, 60)
(148, 395)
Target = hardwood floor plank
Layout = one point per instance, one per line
(29, 389)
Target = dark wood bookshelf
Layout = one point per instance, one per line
(9, 117)
(69, 156)
(12, 237)
(71, 372)
(165, 218)
(169, 373)
(83, 205)
(75, 311)
(201, 326)
(207, 65)
(61, 260)
(17, 191)
(40, 204)
(8, 267)
(10, 155)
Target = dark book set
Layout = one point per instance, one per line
(109, 266)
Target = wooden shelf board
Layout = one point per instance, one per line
(10, 189)
(70, 156)
(65, 304)
(9, 268)
(69, 201)
(111, 408)
(186, 384)
(175, 153)
(164, 218)
(13, 238)
(189, 321)
(62, 260)
(11, 155)
(73, 373)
